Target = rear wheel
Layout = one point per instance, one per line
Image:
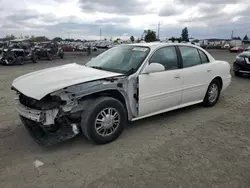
(61, 55)
(19, 60)
(104, 121)
(34, 59)
(49, 56)
(213, 93)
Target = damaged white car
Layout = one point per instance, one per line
(124, 83)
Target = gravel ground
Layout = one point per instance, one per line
(191, 147)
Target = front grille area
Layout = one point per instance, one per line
(27, 101)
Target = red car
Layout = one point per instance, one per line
(68, 48)
(237, 49)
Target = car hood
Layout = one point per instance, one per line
(245, 54)
(40, 83)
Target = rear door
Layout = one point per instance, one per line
(197, 74)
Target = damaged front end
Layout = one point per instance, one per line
(57, 116)
(45, 120)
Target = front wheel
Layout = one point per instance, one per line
(213, 94)
(104, 121)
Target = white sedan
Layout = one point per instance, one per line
(125, 83)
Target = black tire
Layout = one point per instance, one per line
(34, 59)
(207, 102)
(61, 55)
(237, 74)
(19, 60)
(49, 56)
(89, 116)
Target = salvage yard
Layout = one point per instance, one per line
(190, 147)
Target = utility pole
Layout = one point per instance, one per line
(159, 31)
(100, 33)
(232, 34)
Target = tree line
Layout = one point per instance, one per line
(150, 36)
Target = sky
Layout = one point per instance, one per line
(82, 19)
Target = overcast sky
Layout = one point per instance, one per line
(121, 18)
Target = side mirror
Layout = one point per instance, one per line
(153, 67)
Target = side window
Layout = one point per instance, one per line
(167, 57)
(190, 56)
(204, 58)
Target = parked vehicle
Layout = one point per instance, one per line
(236, 49)
(242, 64)
(68, 48)
(3, 45)
(124, 83)
(247, 49)
(18, 52)
(48, 50)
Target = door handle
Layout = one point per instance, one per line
(209, 70)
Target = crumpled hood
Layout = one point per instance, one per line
(40, 83)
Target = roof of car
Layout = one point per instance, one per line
(154, 45)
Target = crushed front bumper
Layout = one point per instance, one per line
(46, 117)
(31, 114)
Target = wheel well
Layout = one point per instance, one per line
(220, 81)
(109, 93)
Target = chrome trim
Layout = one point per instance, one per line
(244, 71)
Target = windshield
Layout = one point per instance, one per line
(121, 59)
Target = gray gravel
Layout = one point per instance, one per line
(191, 147)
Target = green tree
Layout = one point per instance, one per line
(132, 38)
(10, 37)
(245, 37)
(57, 39)
(184, 34)
(150, 36)
(39, 39)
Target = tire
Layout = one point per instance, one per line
(209, 102)
(89, 117)
(34, 59)
(237, 74)
(61, 55)
(49, 56)
(19, 60)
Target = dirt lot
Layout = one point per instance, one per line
(192, 147)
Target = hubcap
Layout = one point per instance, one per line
(213, 92)
(107, 121)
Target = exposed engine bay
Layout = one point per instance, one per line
(57, 116)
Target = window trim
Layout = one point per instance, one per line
(179, 53)
(205, 56)
(176, 51)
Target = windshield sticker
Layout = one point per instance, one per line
(141, 49)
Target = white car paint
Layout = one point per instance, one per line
(40, 83)
(165, 91)
(158, 92)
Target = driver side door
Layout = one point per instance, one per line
(161, 91)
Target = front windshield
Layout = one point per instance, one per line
(121, 59)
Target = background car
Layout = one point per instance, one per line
(242, 64)
(48, 50)
(18, 52)
(236, 49)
